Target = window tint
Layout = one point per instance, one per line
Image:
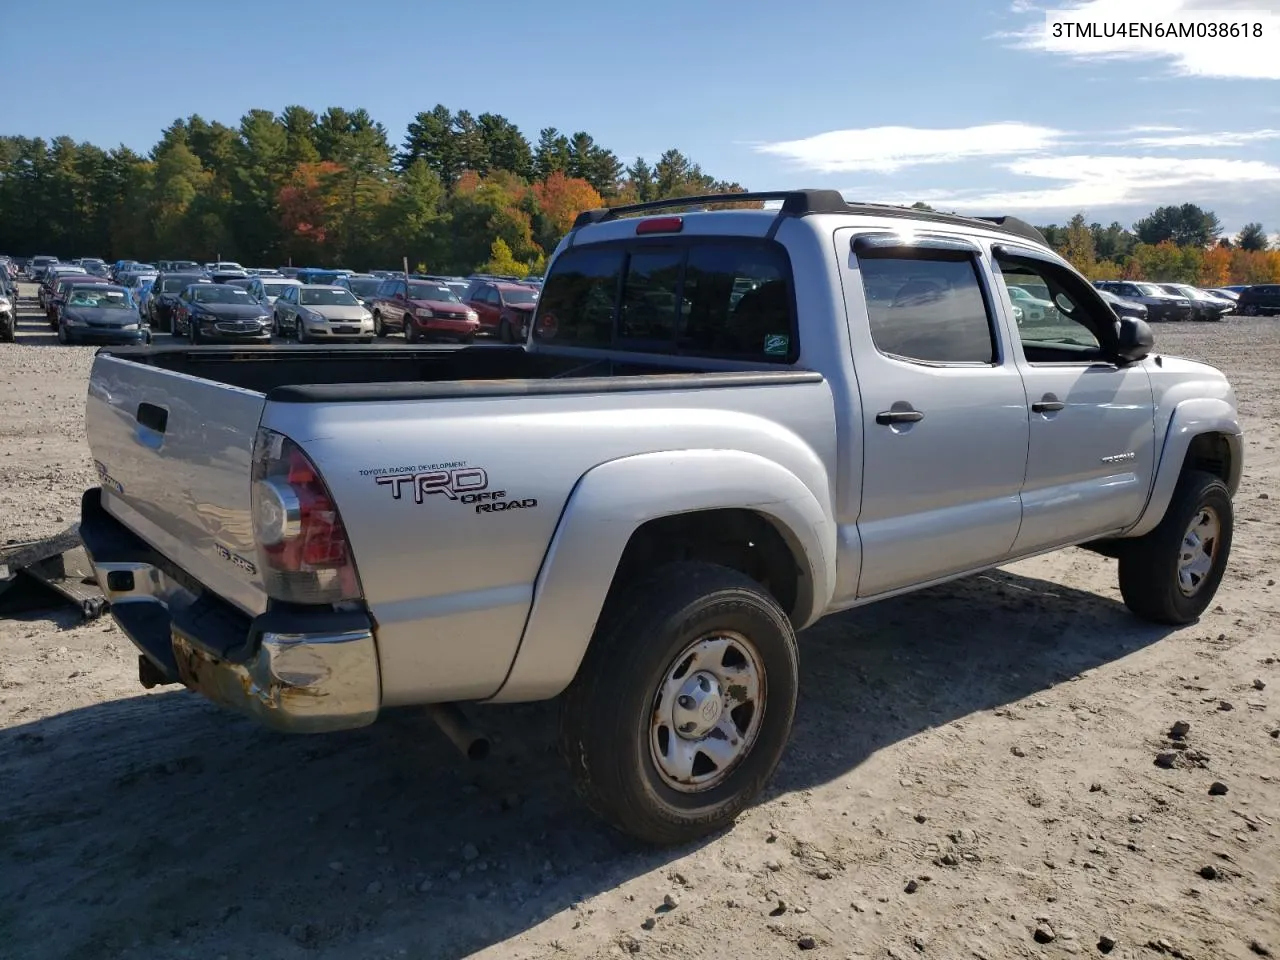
(737, 302)
(1060, 324)
(649, 295)
(576, 308)
(927, 309)
(723, 299)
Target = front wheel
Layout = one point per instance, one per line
(1171, 574)
(378, 329)
(410, 331)
(683, 704)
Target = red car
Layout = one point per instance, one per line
(504, 308)
(423, 310)
(58, 294)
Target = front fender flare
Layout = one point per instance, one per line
(1191, 418)
(610, 502)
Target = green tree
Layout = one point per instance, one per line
(1185, 225)
(1252, 237)
(431, 138)
(552, 154)
(502, 262)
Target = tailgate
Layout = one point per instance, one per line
(173, 454)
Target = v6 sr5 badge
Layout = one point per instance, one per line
(468, 486)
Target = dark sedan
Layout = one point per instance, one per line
(1260, 300)
(164, 295)
(1122, 307)
(1161, 306)
(215, 311)
(100, 313)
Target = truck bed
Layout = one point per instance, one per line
(393, 371)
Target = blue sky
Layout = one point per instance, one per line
(967, 104)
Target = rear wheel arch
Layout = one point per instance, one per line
(767, 523)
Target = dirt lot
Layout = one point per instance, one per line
(971, 774)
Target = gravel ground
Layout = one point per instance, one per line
(973, 774)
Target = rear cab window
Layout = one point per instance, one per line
(714, 297)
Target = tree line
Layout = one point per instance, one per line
(462, 192)
(1173, 244)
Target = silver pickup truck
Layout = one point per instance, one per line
(724, 425)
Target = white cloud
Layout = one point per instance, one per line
(1250, 57)
(1094, 182)
(889, 149)
(1204, 139)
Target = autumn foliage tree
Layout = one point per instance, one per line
(324, 189)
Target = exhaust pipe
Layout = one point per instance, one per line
(450, 719)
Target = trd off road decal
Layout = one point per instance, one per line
(454, 482)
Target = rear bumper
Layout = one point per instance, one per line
(296, 670)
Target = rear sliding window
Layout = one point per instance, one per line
(710, 298)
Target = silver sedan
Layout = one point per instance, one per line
(315, 312)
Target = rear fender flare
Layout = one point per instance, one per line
(611, 501)
(1191, 418)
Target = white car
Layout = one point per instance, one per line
(1034, 310)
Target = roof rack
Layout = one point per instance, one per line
(800, 203)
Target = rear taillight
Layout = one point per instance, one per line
(302, 544)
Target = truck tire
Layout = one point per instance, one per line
(683, 704)
(1171, 574)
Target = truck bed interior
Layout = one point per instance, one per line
(394, 372)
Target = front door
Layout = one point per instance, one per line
(1093, 447)
(944, 413)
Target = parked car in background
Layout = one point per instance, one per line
(50, 277)
(8, 312)
(100, 313)
(157, 309)
(290, 272)
(424, 310)
(1204, 307)
(363, 286)
(504, 307)
(225, 274)
(266, 289)
(1034, 309)
(137, 281)
(57, 295)
(1260, 300)
(314, 312)
(319, 276)
(37, 265)
(207, 312)
(1123, 307)
(1231, 295)
(1237, 287)
(1161, 305)
(178, 266)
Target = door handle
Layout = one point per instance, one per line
(1049, 404)
(152, 417)
(888, 417)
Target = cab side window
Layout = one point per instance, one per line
(927, 306)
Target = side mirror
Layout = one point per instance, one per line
(1134, 339)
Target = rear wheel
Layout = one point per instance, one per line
(683, 704)
(504, 331)
(410, 331)
(1171, 574)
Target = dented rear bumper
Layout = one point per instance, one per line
(294, 669)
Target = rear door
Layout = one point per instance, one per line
(944, 411)
(172, 452)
